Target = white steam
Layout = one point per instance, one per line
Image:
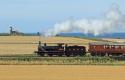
(112, 21)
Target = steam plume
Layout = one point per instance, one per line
(112, 21)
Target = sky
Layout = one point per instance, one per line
(40, 15)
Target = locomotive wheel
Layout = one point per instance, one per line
(74, 55)
(60, 55)
(81, 54)
(50, 55)
(102, 54)
(68, 55)
(93, 54)
(40, 54)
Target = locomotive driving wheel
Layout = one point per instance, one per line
(93, 54)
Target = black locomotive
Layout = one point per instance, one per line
(60, 49)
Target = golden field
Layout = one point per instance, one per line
(61, 72)
(114, 39)
(30, 48)
(34, 39)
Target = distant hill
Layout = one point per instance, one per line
(4, 34)
(82, 35)
(24, 34)
(107, 35)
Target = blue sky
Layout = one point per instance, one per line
(40, 15)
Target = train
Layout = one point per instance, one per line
(95, 49)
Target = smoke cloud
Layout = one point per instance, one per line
(112, 21)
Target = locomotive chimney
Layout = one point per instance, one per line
(39, 43)
(44, 44)
(39, 46)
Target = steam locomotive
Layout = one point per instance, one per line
(60, 50)
(95, 49)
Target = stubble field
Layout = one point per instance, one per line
(61, 72)
(28, 44)
(114, 39)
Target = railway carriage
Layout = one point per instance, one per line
(106, 49)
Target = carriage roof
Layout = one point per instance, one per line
(107, 43)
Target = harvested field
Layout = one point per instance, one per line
(61, 72)
(17, 48)
(30, 43)
(114, 39)
(35, 39)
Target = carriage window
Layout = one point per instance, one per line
(119, 47)
(110, 46)
(94, 47)
(116, 47)
(113, 47)
(122, 47)
(104, 46)
(107, 47)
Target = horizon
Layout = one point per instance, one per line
(30, 16)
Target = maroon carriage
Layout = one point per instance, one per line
(106, 48)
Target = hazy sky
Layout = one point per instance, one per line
(39, 15)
